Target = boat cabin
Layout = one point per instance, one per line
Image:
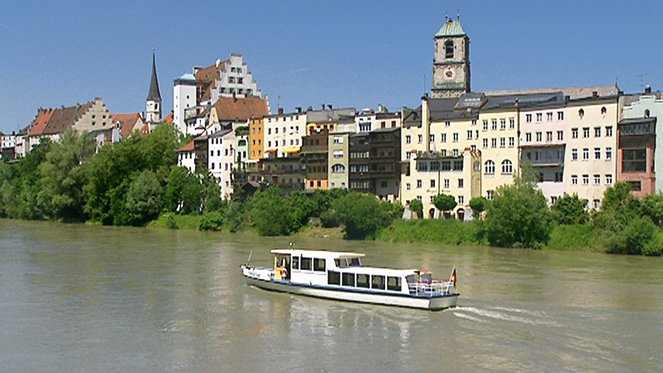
(345, 270)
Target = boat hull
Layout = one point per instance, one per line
(438, 302)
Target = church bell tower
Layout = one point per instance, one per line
(451, 62)
(153, 102)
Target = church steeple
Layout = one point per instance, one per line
(153, 103)
(451, 62)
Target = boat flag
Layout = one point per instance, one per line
(453, 278)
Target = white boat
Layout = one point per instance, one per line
(341, 276)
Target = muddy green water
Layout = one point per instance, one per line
(79, 298)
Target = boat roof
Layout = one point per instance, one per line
(319, 253)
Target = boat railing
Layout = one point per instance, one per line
(430, 288)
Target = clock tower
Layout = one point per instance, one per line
(451, 62)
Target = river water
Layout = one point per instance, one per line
(80, 298)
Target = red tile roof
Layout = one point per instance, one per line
(240, 109)
(186, 148)
(40, 122)
(169, 118)
(65, 118)
(127, 122)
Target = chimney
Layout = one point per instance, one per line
(647, 89)
(322, 106)
(298, 109)
(280, 111)
(595, 94)
(567, 98)
(330, 107)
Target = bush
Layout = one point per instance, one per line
(212, 221)
(450, 232)
(632, 240)
(574, 237)
(655, 246)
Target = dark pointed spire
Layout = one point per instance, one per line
(154, 94)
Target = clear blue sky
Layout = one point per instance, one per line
(345, 53)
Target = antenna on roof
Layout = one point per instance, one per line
(458, 14)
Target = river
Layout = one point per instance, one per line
(81, 298)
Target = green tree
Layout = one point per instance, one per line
(518, 216)
(569, 210)
(619, 206)
(63, 177)
(652, 206)
(361, 214)
(144, 198)
(634, 239)
(212, 195)
(417, 207)
(478, 205)
(444, 203)
(269, 213)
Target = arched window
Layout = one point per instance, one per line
(647, 113)
(604, 110)
(338, 169)
(449, 49)
(581, 113)
(507, 167)
(489, 167)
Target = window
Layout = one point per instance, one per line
(419, 183)
(581, 113)
(431, 138)
(585, 133)
(502, 142)
(539, 136)
(604, 110)
(560, 135)
(377, 282)
(469, 135)
(460, 183)
(597, 131)
(333, 278)
(574, 133)
(408, 186)
(393, 283)
(493, 124)
(319, 264)
(307, 264)
(549, 116)
(493, 143)
(446, 183)
(574, 179)
(443, 137)
(455, 137)
(585, 154)
(635, 160)
(485, 143)
(338, 169)
(560, 115)
(362, 280)
(596, 203)
(597, 153)
(432, 183)
(512, 142)
(585, 179)
(597, 179)
(454, 152)
(474, 122)
(608, 153)
(507, 167)
(539, 117)
(502, 124)
(489, 167)
(485, 125)
(528, 118)
(447, 123)
(608, 131)
(512, 123)
(461, 200)
(608, 179)
(449, 49)
(420, 139)
(549, 136)
(528, 136)
(408, 139)
(348, 279)
(295, 262)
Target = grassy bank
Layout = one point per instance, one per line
(450, 232)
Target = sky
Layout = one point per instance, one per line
(307, 53)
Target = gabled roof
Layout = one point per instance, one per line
(169, 118)
(61, 119)
(127, 122)
(188, 147)
(40, 122)
(451, 27)
(207, 76)
(240, 109)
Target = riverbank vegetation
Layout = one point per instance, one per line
(137, 182)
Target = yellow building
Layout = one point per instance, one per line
(256, 139)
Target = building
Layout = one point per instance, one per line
(195, 92)
(636, 149)
(451, 61)
(339, 157)
(283, 132)
(384, 162)
(360, 150)
(128, 123)
(285, 172)
(256, 139)
(314, 156)
(644, 107)
(186, 156)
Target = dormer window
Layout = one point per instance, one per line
(647, 113)
(604, 110)
(581, 113)
(449, 49)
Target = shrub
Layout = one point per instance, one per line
(211, 221)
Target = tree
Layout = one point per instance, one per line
(444, 203)
(619, 207)
(652, 206)
(361, 214)
(63, 177)
(478, 205)
(518, 216)
(417, 207)
(269, 213)
(634, 238)
(144, 198)
(569, 209)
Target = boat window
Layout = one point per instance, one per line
(337, 262)
(319, 264)
(333, 278)
(348, 279)
(355, 262)
(362, 280)
(306, 264)
(295, 262)
(377, 282)
(393, 283)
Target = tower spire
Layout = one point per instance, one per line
(154, 94)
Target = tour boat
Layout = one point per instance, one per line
(341, 276)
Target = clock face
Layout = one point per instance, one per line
(449, 74)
